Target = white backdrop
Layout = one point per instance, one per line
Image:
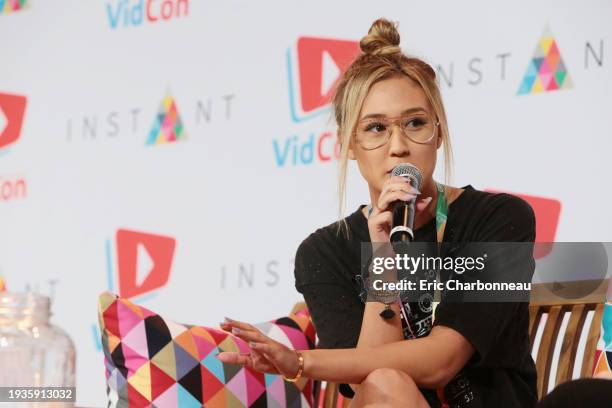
(232, 216)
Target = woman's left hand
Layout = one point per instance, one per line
(267, 355)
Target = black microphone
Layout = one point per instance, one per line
(403, 211)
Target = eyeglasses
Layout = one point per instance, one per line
(419, 127)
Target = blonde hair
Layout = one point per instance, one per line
(381, 58)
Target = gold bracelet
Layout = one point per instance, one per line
(300, 368)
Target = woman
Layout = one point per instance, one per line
(471, 354)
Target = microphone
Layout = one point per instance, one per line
(403, 212)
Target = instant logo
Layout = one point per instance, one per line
(546, 70)
(143, 262)
(167, 126)
(12, 109)
(126, 13)
(8, 6)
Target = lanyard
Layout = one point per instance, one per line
(441, 217)
(441, 212)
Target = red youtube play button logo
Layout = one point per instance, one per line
(12, 108)
(144, 261)
(321, 62)
(547, 211)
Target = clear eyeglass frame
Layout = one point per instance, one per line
(390, 123)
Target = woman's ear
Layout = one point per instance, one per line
(351, 152)
(438, 140)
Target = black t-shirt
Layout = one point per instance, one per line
(501, 372)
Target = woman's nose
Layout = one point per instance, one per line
(398, 142)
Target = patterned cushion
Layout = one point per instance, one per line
(603, 355)
(154, 362)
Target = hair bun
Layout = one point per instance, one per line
(382, 39)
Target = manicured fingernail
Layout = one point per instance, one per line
(227, 319)
(253, 345)
(235, 330)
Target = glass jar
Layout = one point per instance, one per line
(33, 352)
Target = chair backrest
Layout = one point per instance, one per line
(563, 333)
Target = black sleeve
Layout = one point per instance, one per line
(329, 293)
(487, 326)
(323, 275)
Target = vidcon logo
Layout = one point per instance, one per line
(13, 188)
(167, 126)
(8, 6)
(293, 151)
(320, 62)
(312, 74)
(546, 70)
(143, 262)
(547, 211)
(125, 13)
(12, 108)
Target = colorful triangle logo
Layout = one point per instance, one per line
(8, 6)
(546, 70)
(167, 126)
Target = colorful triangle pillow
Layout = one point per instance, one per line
(154, 362)
(603, 355)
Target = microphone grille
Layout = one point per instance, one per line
(409, 169)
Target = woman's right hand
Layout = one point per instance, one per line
(380, 221)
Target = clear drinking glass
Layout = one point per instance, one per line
(33, 352)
